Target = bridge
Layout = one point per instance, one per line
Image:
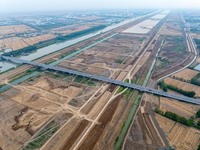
(105, 79)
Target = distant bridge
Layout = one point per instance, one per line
(107, 80)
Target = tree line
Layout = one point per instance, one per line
(188, 122)
(165, 87)
(60, 38)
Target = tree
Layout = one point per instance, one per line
(191, 121)
(198, 114)
(171, 115)
(198, 123)
(165, 88)
(183, 120)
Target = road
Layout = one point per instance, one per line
(105, 79)
(191, 49)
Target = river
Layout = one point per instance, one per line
(4, 65)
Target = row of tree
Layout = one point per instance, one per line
(197, 41)
(198, 114)
(195, 80)
(165, 87)
(81, 33)
(60, 38)
(188, 122)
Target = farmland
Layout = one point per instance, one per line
(180, 136)
(183, 85)
(52, 110)
(15, 29)
(186, 74)
(180, 108)
(66, 30)
(16, 43)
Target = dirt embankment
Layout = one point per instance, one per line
(145, 133)
(96, 132)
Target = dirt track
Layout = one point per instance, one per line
(96, 132)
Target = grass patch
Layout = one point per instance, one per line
(90, 83)
(78, 79)
(50, 62)
(196, 80)
(119, 140)
(43, 136)
(119, 61)
(69, 53)
(28, 72)
(121, 88)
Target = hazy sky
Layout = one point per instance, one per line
(46, 5)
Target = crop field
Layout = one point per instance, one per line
(186, 74)
(69, 29)
(7, 30)
(180, 108)
(183, 85)
(16, 43)
(180, 136)
(165, 123)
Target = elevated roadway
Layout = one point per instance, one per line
(107, 80)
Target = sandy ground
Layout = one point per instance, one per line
(99, 104)
(141, 63)
(10, 139)
(32, 105)
(144, 133)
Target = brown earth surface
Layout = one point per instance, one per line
(180, 136)
(183, 85)
(183, 109)
(186, 74)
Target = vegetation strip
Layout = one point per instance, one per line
(33, 48)
(190, 122)
(120, 139)
(165, 87)
(43, 136)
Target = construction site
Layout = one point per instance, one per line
(49, 110)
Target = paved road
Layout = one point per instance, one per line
(104, 79)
